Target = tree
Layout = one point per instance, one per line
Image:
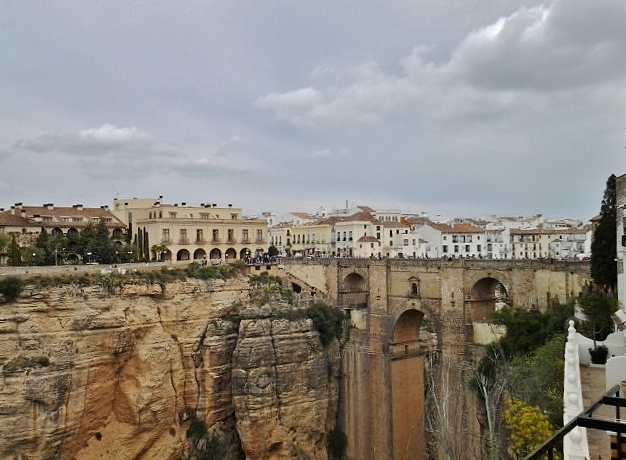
(15, 253)
(525, 329)
(95, 239)
(604, 242)
(272, 251)
(529, 427)
(490, 382)
(598, 305)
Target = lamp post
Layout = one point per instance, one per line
(34, 255)
(89, 258)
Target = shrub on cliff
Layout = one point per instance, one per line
(10, 288)
(20, 362)
(336, 443)
(327, 320)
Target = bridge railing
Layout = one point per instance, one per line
(587, 420)
(469, 263)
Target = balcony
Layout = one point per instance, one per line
(586, 419)
(216, 241)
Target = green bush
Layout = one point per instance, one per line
(336, 443)
(20, 362)
(10, 288)
(327, 320)
(197, 428)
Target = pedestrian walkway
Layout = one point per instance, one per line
(592, 381)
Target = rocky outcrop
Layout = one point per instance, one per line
(285, 387)
(89, 375)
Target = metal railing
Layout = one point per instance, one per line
(587, 420)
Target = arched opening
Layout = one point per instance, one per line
(406, 332)
(413, 289)
(487, 296)
(355, 282)
(166, 255)
(117, 234)
(183, 254)
(72, 233)
(407, 386)
(296, 288)
(354, 292)
(245, 253)
(215, 254)
(199, 254)
(231, 254)
(57, 233)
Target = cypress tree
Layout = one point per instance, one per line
(604, 243)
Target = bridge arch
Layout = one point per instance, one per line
(353, 291)
(487, 295)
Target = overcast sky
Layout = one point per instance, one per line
(454, 108)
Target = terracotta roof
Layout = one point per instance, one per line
(8, 219)
(367, 239)
(301, 215)
(60, 216)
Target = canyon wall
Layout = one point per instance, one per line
(89, 374)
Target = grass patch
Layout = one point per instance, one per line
(20, 362)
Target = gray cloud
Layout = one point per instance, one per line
(499, 106)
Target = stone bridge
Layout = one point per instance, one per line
(415, 335)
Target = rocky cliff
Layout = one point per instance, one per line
(87, 374)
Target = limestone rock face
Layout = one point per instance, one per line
(87, 375)
(285, 389)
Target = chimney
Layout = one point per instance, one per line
(183, 204)
(230, 205)
(78, 207)
(214, 205)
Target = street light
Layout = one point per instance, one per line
(34, 255)
(89, 258)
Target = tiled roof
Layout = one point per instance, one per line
(76, 216)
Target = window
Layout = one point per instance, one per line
(467, 248)
(216, 235)
(405, 242)
(445, 248)
(456, 248)
(199, 236)
(350, 235)
(244, 235)
(259, 236)
(183, 235)
(478, 248)
(166, 235)
(204, 215)
(231, 235)
(172, 215)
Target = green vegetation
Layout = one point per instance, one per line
(528, 425)
(197, 428)
(21, 362)
(267, 288)
(10, 288)
(598, 305)
(327, 320)
(604, 242)
(211, 447)
(336, 443)
(525, 368)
